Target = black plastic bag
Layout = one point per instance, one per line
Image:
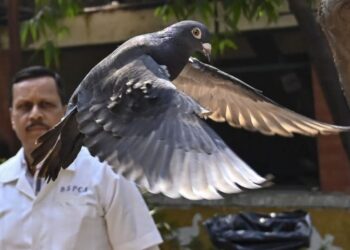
(254, 231)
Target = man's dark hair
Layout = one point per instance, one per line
(34, 72)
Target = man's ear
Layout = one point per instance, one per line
(12, 123)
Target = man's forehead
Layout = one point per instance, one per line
(35, 86)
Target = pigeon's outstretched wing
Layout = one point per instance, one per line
(138, 122)
(231, 100)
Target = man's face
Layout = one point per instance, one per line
(36, 107)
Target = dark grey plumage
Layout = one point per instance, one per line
(128, 112)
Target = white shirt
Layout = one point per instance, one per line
(87, 207)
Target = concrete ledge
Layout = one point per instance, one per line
(265, 198)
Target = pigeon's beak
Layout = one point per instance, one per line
(206, 49)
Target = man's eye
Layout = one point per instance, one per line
(24, 107)
(46, 105)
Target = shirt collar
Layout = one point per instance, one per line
(13, 168)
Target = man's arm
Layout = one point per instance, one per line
(128, 220)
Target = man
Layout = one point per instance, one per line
(87, 207)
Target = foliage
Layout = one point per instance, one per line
(231, 11)
(45, 27)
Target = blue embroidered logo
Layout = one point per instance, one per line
(73, 189)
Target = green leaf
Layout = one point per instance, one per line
(24, 31)
(165, 12)
(46, 19)
(62, 31)
(51, 54)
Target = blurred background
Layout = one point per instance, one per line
(274, 45)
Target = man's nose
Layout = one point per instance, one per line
(36, 113)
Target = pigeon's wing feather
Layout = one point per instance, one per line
(231, 100)
(137, 121)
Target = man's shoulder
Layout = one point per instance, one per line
(6, 164)
(86, 164)
(89, 170)
(86, 160)
(9, 166)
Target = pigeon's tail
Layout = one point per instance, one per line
(58, 147)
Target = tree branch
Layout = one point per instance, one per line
(321, 58)
(334, 18)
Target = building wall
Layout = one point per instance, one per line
(8, 142)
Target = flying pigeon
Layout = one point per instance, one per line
(141, 110)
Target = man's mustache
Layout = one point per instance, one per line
(37, 124)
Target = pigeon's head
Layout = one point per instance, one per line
(192, 35)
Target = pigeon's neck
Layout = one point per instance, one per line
(176, 64)
(174, 55)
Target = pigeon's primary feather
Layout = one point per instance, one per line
(239, 104)
(141, 110)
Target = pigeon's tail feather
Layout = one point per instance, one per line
(47, 142)
(58, 147)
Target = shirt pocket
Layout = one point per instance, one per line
(75, 219)
(79, 205)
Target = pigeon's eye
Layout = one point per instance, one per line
(197, 33)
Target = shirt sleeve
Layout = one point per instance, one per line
(129, 223)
